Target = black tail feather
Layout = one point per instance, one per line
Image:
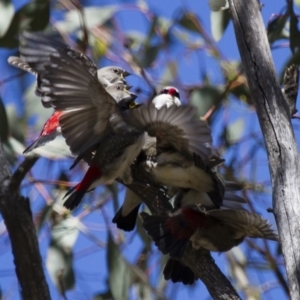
(74, 198)
(178, 272)
(166, 240)
(126, 223)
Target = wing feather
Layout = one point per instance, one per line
(68, 84)
(174, 127)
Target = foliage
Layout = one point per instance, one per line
(85, 255)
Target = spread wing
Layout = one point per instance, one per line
(175, 128)
(69, 86)
(249, 224)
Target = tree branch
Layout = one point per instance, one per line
(199, 261)
(274, 118)
(17, 216)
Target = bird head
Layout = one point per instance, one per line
(168, 96)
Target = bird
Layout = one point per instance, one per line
(111, 77)
(92, 117)
(126, 216)
(216, 230)
(51, 129)
(173, 168)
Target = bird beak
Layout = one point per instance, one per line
(128, 87)
(125, 74)
(132, 95)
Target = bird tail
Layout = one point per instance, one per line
(76, 194)
(126, 223)
(178, 272)
(170, 234)
(126, 216)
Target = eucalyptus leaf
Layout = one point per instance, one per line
(204, 98)
(56, 149)
(93, 16)
(35, 109)
(188, 22)
(120, 276)
(219, 21)
(235, 130)
(6, 15)
(168, 75)
(217, 5)
(33, 16)
(16, 124)
(59, 261)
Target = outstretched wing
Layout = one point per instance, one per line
(175, 128)
(249, 224)
(68, 84)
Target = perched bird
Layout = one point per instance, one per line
(168, 96)
(92, 117)
(215, 229)
(173, 168)
(125, 218)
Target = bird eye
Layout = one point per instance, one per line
(118, 88)
(115, 70)
(164, 91)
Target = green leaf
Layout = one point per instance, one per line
(4, 128)
(120, 276)
(54, 150)
(33, 16)
(241, 92)
(219, 21)
(43, 216)
(294, 34)
(34, 108)
(150, 54)
(16, 124)
(59, 261)
(113, 188)
(6, 15)
(204, 98)
(103, 296)
(168, 75)
(93, 16)
(144, 236)
(235, 130)
(217, 5)
(276, 27)
(188, 22)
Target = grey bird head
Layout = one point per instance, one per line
(124, 98)
(111, 74)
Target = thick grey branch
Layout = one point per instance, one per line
(17, 216)
(274, 118)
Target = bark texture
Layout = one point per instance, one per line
(274, 118)
(16, 213)
(199, 261)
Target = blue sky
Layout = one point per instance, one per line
(89, 260)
